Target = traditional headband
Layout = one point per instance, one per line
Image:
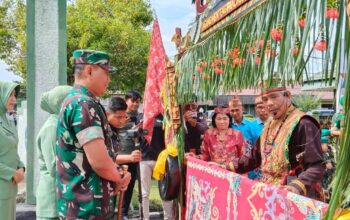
(235, 102)
(275, 89)
(218, 110)
(273, 85)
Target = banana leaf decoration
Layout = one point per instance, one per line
(282, 37)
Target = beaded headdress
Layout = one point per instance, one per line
(222, 110)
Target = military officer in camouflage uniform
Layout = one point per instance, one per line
(87, 178)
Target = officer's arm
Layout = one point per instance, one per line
(100, 161)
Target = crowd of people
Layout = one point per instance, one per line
(82, 146)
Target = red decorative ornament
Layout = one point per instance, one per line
(332, 13)
(203, 64)
(205, 76)
(218, 60)
(260, 43)
(219, 110)
(234, 53)
(301, 22)
(276, 34)
(296, 51)
(257, 60)
(217, 70)
(200, 6)
(321, 45)
(238, 61)
(270, 53)
(251, 50)
(198, 69)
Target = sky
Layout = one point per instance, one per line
(170, 14)
(7, 75)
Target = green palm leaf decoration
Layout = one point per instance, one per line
(341, 181)
(279, 37)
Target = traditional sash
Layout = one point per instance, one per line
(275, 165)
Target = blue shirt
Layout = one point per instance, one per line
(258, 126)
(249, 131)
(246, 128)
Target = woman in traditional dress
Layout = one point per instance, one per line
(221, 143)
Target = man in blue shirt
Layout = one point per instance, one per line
(247, 128)
(262, 116)
(239, 122)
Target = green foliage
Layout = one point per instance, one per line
(306, 103)
(155, 203)
(267, 41)
(117, 27)
(12, 35)
(341, 181)
(209, 67)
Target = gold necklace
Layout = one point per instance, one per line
(222, 136)
(270, 139)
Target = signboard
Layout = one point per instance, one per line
(226, 12)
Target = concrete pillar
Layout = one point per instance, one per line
(46, 68)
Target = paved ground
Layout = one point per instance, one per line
(27, 212)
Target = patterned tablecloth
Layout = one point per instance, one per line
(214, 193)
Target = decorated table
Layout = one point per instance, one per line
(215, 193)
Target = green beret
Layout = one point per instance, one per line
(95, 57)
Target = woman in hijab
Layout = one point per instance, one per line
(46, 201)
(11, 167)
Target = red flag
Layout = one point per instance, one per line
(156, 71)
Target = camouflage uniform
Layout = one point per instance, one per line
(81, 193)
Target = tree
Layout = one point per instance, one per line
(307, 103)
(12, 35)
(116, 27)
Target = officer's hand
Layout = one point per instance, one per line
(18, 176)
(124, 182)
(135, 156)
